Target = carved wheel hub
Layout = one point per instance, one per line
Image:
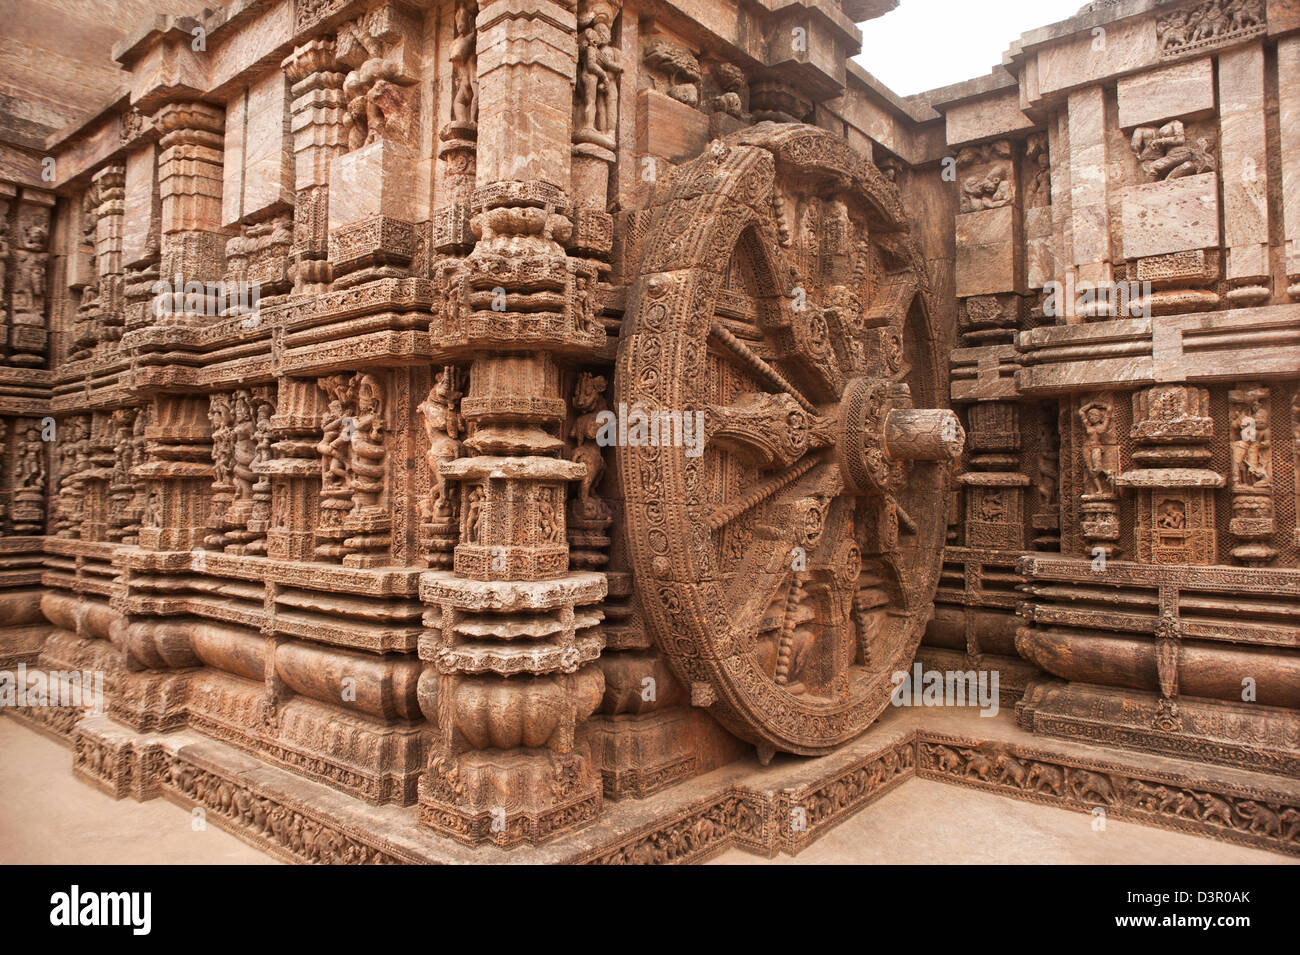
(787, 563)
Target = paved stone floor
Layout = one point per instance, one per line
(48, 816)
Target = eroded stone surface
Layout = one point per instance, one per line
(484, 419)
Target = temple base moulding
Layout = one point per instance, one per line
(781, 808)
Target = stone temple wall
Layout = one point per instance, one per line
(339, 340)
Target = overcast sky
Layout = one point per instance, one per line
(925, 44)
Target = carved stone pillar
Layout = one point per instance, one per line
(84, 279)
(96, 478)
(1295, 459)
(1046, 521)
(458, 151)
(337, 421)
(1243, 144)
(1099, 503)
(1251, 525)
(995, 488)
(190, 183)
(294, 471)
(120, 486)
(248, 517)
(512, 632)
(444, 427)
(368, 425)
(1288, 63)
(142, 235)
(74, 457)
(27, 510)
(134, 509)
(178, 474)
(28, 335)
(1175, 515)
(319, 136)
(109, 215)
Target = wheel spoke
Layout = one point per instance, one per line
(720, 517)
(751, 362)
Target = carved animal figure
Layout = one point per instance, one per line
(1263, 821)
(977, 764)
(946, 759)
(1177, 802)
(1044, 778)
(1012, 770)
(1092, 787)
(589, 401)
(1291, 817)
(1214, 809)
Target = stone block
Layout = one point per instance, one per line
(268, 168)
(1172, 216)
(1184, 91)
(667, 129)
(375, 180)
(997, 115)
(1040, 251)
(987, 252)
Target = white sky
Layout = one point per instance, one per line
(925, 44)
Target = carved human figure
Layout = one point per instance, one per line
(1095, 416)
(589, 401)
(1040, 190)
(223, 440)
(550, 529)
(29, 277)
(243, 442)
(123, 419)
(1049, 476)
(368, 453)
(337, 428)
(599, 67)
(473, 514)
(1165, 153)
(1173, 516)
(1252, 445)
(997, 186)
(31, 463)
(263, 434)
(443, 424)
(153, 510)
(464, 64)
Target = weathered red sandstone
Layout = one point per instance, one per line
(629, 389)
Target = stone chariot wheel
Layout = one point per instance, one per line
(786, 564)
